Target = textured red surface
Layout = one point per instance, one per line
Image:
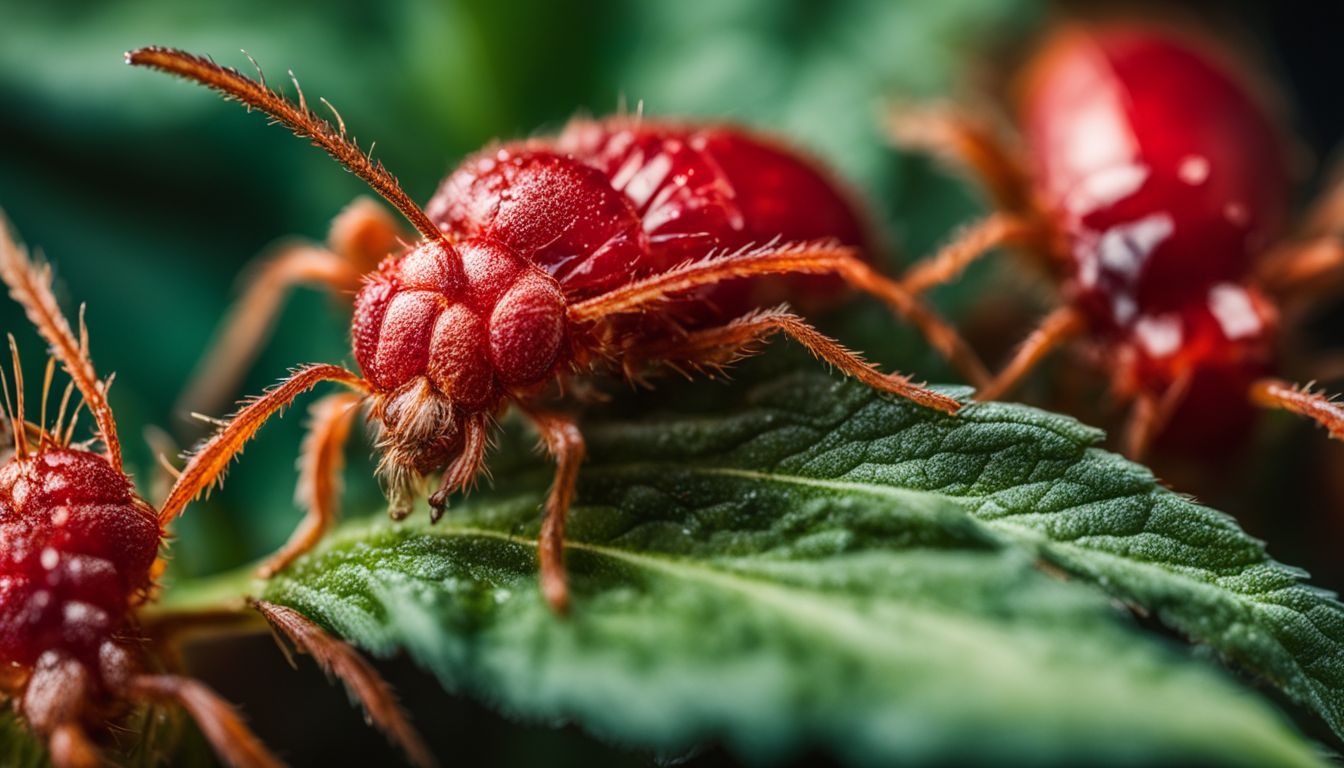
(1167, 177)
(76, 546)
(540, 223)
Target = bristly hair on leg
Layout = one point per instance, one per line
(29, 283)
(255, 94)
(339, 660)
(18, 419)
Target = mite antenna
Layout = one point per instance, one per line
(255, 94)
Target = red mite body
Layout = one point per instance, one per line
(537, 225)
(1168, 180)
(1156, 185)
(621, 245)
(76, 548)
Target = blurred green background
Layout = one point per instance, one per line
(150, 195)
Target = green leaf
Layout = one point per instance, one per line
(17, 748)
(817, 566)
(1036, 478)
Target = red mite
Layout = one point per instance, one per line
(1156, 193)
(620, 245)
(78, 549)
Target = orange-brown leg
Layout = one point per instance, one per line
(996, 230)
(1320, 408)
(360, 236)
(230, 737)
(1305, 268)
(804, 258)
(968, 145)
(1057, 328)
(207, 465)
(561, 437)
(29, 284)
(53, 704)
(70, 747)
(716, 347)
(320, 463)
(1149, 415)
(340, 660)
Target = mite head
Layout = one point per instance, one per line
(444, 334)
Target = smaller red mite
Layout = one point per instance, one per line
(619, 245)
(1156, 192)
(78, 554)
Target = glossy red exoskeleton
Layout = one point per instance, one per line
(78, 553)
(622, 244)
(1155, 189)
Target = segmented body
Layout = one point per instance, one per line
(76, 550)
(1164, 176)
(535, 225)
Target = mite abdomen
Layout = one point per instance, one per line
(76, 548)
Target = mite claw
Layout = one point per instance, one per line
(438, 505)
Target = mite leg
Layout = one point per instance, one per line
(29, 284)
(207, 465)
(1149, 415)
(1057, 328)
(561, 437)
(805, 258)
(340, 660)
(360, 236)
(320, 463)
(967, 145)
(1320, 408)
(70, 747)
(717, 347)
(1303, 269)
(999, 229)
(53, 704)
(231, 739)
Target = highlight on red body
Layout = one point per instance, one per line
(76, 548)
(622, 245)
(1156, 185)
(1157, 162)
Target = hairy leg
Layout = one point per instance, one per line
(207, 465)
(362, 234)
(1149, 415)
(968, 145)
(230, 737)
(340, 660)
(561, 437)
(998, 229)
(320, 463)
(1320, 408)
(804, 258)
(29, 284)
(1057, 328)
(717, 347)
